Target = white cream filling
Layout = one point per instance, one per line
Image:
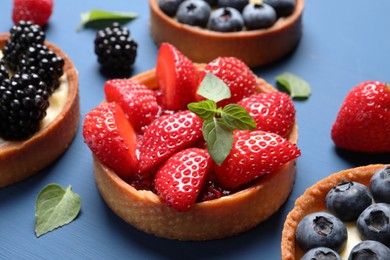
(353, 239)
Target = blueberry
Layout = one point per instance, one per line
(169, 7)
(225, 19)
(321, 253)
(237, 4)
(348, 199)
(258, 16)
(194, 12)
(380, 185)
(282, 7)
(370, 250)
(374, 223)
(321, 229)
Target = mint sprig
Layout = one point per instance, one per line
(219, 123)
(99, 18)
(297, 86)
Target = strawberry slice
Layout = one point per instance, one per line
(254, 154)
(273, 112)
(177, 77)
(137, 101)
(179, 180)
(236, 75)
(167, 135)
(112, 139)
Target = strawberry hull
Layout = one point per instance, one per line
(213, 219)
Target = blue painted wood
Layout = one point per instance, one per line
(343, 43)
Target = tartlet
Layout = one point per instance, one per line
(313, 200)
(213, 219)
(22, 159)
(255, 48)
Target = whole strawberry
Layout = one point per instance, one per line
(180, 179)
(363, 122)
(236, 75)
(254, 154)
(37, 11)
(112, 139)
(273, 112)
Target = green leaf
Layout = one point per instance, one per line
(213, 88)
(204, 109)
(237, 117)
(296, 86)
(55, 207)
(219, 139)
(100, 19)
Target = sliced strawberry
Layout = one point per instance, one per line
(167, 135)
(112, 139)
(177, 78)
(254, 154)
(179, 180)
(137, 101)
(236, 75)
(273, 112)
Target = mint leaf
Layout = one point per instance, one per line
(55, 207)
(295, 85)
(99, 19)
(219, 139)
(204, 109)
(237, 117)
(213, 88)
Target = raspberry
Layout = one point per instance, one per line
(37, 11)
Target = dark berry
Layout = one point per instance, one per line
(40, 60)
(369, 250)
(321, 253)
(380, 185)
(114, 47)
(23, 104)
(258, 16)
(374, 223)
(194, 12)
(212, 3)
(282, 7)
(236, 4)
(3, 72)
(321, 229)
(169, 7)
(22, 35)
(348, 199)
(225, 19)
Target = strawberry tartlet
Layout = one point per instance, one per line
(157, 166)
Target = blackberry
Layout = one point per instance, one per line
(23, 104)
(22, 35)
(115, 48)
(3, 72)
(40, 60)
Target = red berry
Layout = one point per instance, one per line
(177, 78)
(254, 154)
(180, 179)
(111, 138)
(363, 122)
(137, 101)
(273, 112)
(168, 135)
(37, 11)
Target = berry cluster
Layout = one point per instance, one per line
(228, 15)
(323, 233)
(29, 73)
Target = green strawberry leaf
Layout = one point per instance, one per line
(213, 88)
(237, 117)
(206, 109)
(297, 87)
(55, 207)
(99, 18)
(219, 139)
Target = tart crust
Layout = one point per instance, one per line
(313, 200)
(22, 159)
(255, 48)
(214, 219)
